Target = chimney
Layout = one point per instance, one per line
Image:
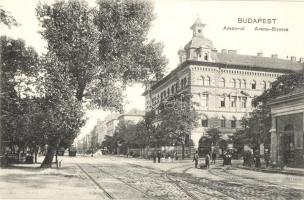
(301, 60)
(293, 58)
(260, 54)
(232, 51)
(224, 51)
(274, 56)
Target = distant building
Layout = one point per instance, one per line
(111, 124)
(101, 131)
(222, 83)
(132, 116)
(287, 132)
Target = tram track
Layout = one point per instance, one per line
(108, 195)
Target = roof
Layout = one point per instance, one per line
(237, 61)
(297, 93)
(198, 22)
(198, 42)
(259, 61)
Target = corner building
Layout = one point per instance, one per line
(222, 83)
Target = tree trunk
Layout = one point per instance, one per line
(36, 150)
(47, 162)
(183, 151)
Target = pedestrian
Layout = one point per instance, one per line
(195, 159)
(154, 157)
(175, 155)
(224, 158)
(207, 159)
(266, 158)
(158, 156)
(213, 157)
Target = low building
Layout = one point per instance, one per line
(287, 132)
(133, 116)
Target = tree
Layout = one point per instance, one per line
(99, 51)
(177, 118)
(256, 128)
(7, 19)
(17, 61)
(103, 49)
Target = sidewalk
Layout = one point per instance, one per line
(286, 170)
(31, 182)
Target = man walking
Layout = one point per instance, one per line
(158, 156)
(213, 157)
(195, 158)
(207, 159)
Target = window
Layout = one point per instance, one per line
(244, 83)
(233, 102)
(202, 80)
(253, 85)
(204, 100)
(233, 81)
(185, 82)
(243, 102)
(233, 122)
(172, 89)
(204, 121)
(222, 82)
(205, 56)
(223, 122)
(182, 83)
(222, 101)
(168, 91)
(270, 84)
(239, 84)
(263, 85)
(207, 81)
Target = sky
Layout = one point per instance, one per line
(172, 27)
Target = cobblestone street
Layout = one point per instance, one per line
(109, 177)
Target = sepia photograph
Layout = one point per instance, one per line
(151, 99)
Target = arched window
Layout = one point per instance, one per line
(233, 122)
(223, 122)
(239, 83)
(233, 81)
(222, 82)
(204, 121)
(263, 85)
(205, 56)
(202, 80)
(168, 91)
(270, 84)
(244, 83)
(253, 84)
(172, 89)
(207, 81)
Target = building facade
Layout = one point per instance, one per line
(222, 84)
(287, 132)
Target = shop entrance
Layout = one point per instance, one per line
(287, 145)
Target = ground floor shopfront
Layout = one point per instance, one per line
(287, 132)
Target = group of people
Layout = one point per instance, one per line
(207, 159)
(250, 159)
(158, 155)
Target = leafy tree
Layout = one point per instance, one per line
(97, 52)
(7, 19)
(257, 126)
(103, 49)
(17, 61)
(177, 117)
